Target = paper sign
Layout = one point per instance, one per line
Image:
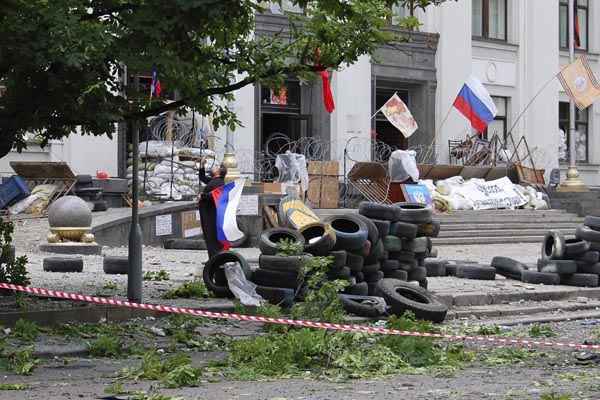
(164, 225)
(190, 224)
(248, 205)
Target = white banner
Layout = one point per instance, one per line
(399, 115)
(492, 194)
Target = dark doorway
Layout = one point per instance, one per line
(278, 129)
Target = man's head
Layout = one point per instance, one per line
(219, 171)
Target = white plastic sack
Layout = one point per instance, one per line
(157, 148)
(403, 165)
(22, 205)
(241, 287)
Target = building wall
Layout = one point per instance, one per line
(84, 154)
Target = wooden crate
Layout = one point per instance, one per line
(323, 184)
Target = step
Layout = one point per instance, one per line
(502, 233)
(467, 226)
(510, 219)
(448, 241)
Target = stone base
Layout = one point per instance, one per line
(72, 248)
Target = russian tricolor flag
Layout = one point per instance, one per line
(476, 104)
(227, 198)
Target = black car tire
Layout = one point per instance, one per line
(373, 232)
(270, 238)
(590, 257)
(476, 272)
(557, 266)
(402, 296)
(398, 274)
(63, 264)
(435, 268)
(371, 268)
(536, 278)
(115, 265)
(383, 227)
(390, 265)
(588, 234)
(363, 306)
(575, 247)
(319, 238)
(358, 289)
(579, 280)
(414, 213)
(374, 277)
(350, 231)
(214, 275)
(404, 230)
(392, 243)
(265, 277)
(508, 267)
(592, 222)
(282, 263)
(283, 297)
(431, 229)
(355, 262)
(379, 211)
(417, 274)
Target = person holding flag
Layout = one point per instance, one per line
(207, 208)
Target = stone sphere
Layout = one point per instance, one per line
(69, 212)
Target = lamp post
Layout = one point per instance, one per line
(573, 183)
(134, 274)
(229, 160)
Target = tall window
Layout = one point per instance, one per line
(489, 19)
(582, 18)
(498, 125)
(581, 125)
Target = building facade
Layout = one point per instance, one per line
(514, 47)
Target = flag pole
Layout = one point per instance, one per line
(377, 112)
(573, 182)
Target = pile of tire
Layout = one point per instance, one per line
(404, 231)
(571, 262)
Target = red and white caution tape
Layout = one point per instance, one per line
(291, 322)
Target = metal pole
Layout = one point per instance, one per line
(573, 182)
(572, 133)
(134, 276)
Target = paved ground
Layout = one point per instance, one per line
(540, 374)
(182, 265)
(83, 377)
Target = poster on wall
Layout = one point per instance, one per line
(190, 224)
(164, 225)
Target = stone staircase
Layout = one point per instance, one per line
(495, 226)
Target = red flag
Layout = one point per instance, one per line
(327, 95)
(577, 28)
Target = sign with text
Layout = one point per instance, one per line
(164, 225)
(490, 195)
(248, 205)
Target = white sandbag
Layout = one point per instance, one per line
(157, 148)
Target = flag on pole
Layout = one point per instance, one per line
(579, 82)
(476, 104)
(155, 88)
(227, 198)
(399, 115)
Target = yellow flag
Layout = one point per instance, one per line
(580, 83)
